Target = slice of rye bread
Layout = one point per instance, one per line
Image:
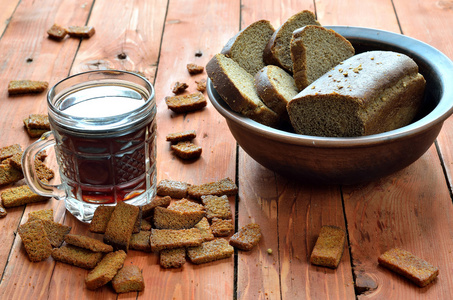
(237, 89)
(369, 93)
(165, 218)
(247, 46)
(76, 256)
(276, 88)
(87, 242)
(35, 240)
(121, 225)
(162, 239)
(128, 279)
(210, 251)
(277, 51)
(314, 51)
(105, 270)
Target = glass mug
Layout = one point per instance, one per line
(103, 130)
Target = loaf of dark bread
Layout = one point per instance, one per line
(247, 46)
(314, 51)
(277, 51)
(369, 93)
(236, 87)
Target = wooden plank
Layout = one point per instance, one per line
(27, 53)
(6, 13)
(290, 215)
(194, 32)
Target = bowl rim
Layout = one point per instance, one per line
(443, 66)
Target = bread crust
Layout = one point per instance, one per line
(369, 93)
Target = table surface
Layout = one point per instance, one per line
(411, 209)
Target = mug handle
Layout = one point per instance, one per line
(28, 168)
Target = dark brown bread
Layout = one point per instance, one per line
(121, 225)
(224, 186)
(35, 240)
(56, 232)
(81, 31)
(186, 150)
(276, 88)
(222, 227)
(20, 195)
(247, 46)
(186, 135)
(237, 89)
(369, 93)
(101, 218)
(140, 241)
(105, 270)
(410, 266)
(217, 207)
(277, 51)
(186, 103)
(148, 209)
(128, 279)
(329, 247)
(162, 239)
(172, 258)
(314, 51)
(79, 257)
(210, 251)
(194, 69)
(172, 188)
(87, 243)
(165, 218)
(26, 86)
(247, 237)
(57, 32)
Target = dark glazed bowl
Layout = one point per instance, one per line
(331, 160)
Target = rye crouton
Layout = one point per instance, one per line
(128, 279)
(222, 227)
(140, 241)
(186, 103)
(9, 174)
(57, 32)
(20, 195)
(205, 230)
(176, 137)
(56, 232)
(87, 242)
(194, 69)
(8, 151)
(101, 218)
(81, 31)
(186, 150)
(37, 124)
(79, 257)
(162, 239)
(210, 251)
(224, 186)
(172, 258)
(105, 270)
(148, 209)
(247, 237)
(165, 218)
(42, 214)
(35, 240)
(329, 247)
(217, 207)
(120, 226)
(16, 87)
(42, 171)
(179, 87)
(201, 85)
(145, 225)
(408, 265)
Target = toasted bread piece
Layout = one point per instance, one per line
(210, 251)
(33, 132)
(145, 225)
(205, 230)
(224, 186)
(408, 265)
(42, 214)
(217, 207)
(128, 279)
(186, 150)
(56, 232)
(140, 241)
(186, 103)
(237, 88)
(172, 258)
(247, 237)
(38, 121)
(247, 46)
(8, 151)
(329, 247)
(121, 225)
(165, 218)
(43, 172)
(9, 174)
(187, 206)
(87, 242)
(179, 87)
(35, 240)
(57, 32)
(162, 239)
(81, 31)
(105, 270)
(148, 209)
(172, 188)
(201, 85)
(101, 217)
(20, 195)
(176, 137)
(222, 227)
(277, 51)
(26, 86)
(79, 257)
(314, 51)
(194, 69)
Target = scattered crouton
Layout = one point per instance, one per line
(224, 186)
(128, 279)
(16, 87)
(176, 137)
(194, 69)
(105, 270)
(57, 32)
(186, 150)
(35, 240)
(247, 237)
(179, 87)
(210, 251)
(329, 247)
(81, 31)
(186, 103)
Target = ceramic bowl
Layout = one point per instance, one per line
(333, 160)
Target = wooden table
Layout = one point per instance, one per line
(411, 209)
